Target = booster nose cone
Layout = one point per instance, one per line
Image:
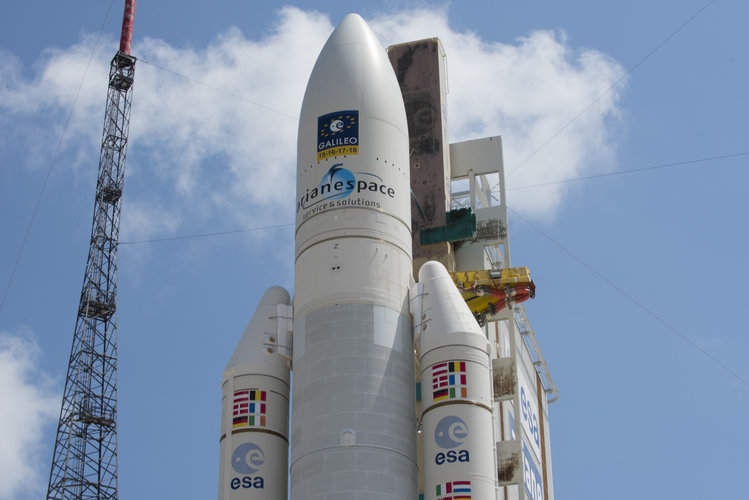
(250, 348)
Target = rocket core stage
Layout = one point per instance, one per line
(353, 402)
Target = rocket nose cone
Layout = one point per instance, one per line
(432, 270)
(250, 347)
(351, 18)
(275, 295)
(352, 29)
(352, 72)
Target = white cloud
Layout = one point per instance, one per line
(28, 405)
(223, 140)
(220, 145)
(140, 223)
(35, 111)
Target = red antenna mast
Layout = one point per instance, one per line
(128, 18)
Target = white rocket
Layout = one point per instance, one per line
(355, 311)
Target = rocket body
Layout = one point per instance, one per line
(353, 403)
(357, 314)
(457, 426)
(254, 442)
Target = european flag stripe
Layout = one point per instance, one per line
(249, 408)
(449, 381)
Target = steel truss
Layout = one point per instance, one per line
(84, 464)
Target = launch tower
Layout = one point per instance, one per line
(84, 463)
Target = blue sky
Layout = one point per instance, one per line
(641, 298)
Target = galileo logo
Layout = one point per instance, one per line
(246, 460)
(338, 134)
(338, 183)
(451, 432)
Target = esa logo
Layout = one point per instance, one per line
(450, 433)
(247, 460)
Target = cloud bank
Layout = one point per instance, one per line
(213, 131)
(28, 406)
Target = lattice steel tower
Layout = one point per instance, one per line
(84, 463)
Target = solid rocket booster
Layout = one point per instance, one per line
(353, 396)
(254, 442)
(456, 422)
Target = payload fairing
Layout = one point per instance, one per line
(356, 309)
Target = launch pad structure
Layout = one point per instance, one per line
(459, 218)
